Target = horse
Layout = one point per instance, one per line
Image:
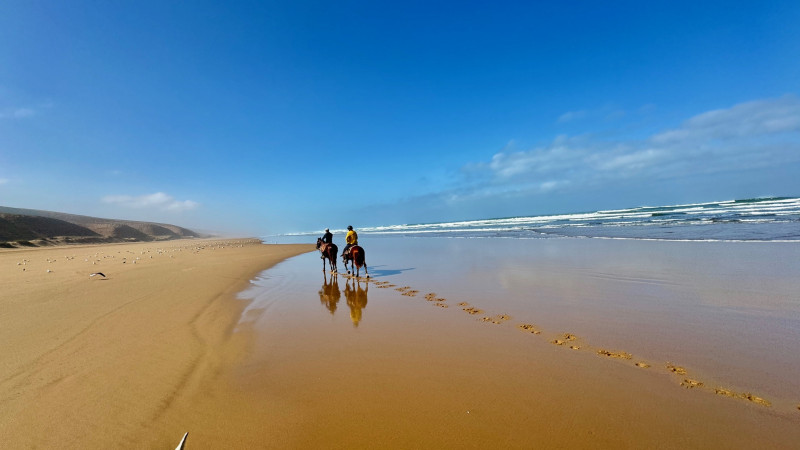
(356, 258)
(329, 252)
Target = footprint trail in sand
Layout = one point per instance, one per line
(573, 342)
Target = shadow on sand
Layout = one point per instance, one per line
(376, 271)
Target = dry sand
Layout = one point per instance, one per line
(93, 362)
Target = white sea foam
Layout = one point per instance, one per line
(771, 219)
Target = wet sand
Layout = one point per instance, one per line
(639, 345)
(97, 362)
(454, 343)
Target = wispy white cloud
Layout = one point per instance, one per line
(755, 118)
(569, 116)
(756, 134)
(17, 113)
(159, 200)
(608, 113)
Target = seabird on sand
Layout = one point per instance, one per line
(97, 273)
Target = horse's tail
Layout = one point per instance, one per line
(358, 255)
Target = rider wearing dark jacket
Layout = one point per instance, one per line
(327, 238)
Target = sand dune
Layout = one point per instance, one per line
(34, 228)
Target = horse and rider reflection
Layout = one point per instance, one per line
(355, 293)
(329, 293)
(356, 299)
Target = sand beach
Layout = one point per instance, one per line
(94, 362)
(451, 343)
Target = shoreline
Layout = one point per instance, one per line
(473, 343)
(101, 361)
(244, 345)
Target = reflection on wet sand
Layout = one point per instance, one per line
(356, 299)
(329, 293)
(546, 343)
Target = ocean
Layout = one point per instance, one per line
(756, 219)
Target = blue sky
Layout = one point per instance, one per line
(267, 117)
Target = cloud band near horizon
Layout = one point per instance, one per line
(158, 200)
(754, 134)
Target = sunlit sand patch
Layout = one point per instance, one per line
(642, 365)
(676, 369)
(472, 310)
(530, 328)
(621, 355)
(690, 384)
(410, 293)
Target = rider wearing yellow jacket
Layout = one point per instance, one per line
(351, 239)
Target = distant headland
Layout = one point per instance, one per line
(34, 228)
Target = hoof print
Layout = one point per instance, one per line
(496, 319)
(621, 355)
(642, 365)
(690, 384)
(676, 369)
(557, 342)
(724, 392)
(529, 328)
(472, 311)
(756, 400)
